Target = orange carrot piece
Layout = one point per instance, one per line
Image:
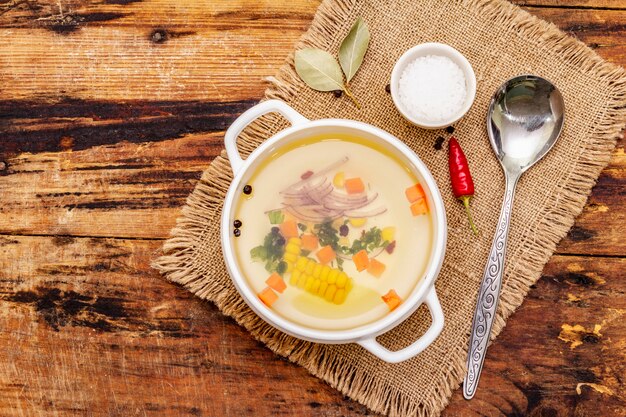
(415, 192)
(419, 207)
(326, 254)
(361, 260)
(268, 296)
(276, 282)
(354, 185)
(309, 242)
(392, 299)
(376, 268)
(289, 228)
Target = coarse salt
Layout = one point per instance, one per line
(432, 88)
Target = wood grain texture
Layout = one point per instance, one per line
(110, 111)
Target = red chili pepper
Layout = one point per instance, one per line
(460, 177)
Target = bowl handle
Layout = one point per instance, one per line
(432, 302)
(233, 132)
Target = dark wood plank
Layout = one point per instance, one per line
(533, 367)
(210, 50)
(599, 228)
(146, 50)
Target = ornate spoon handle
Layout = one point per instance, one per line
(488, 295)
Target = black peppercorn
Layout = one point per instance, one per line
(450, 129)
(275, 230)
(237, 224)
(439, 143)
(237, 232)
(247, 189)
(343, 230)
(280, 241)
(337, 93)
(388, 88)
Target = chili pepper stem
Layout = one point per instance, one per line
(466, 200)
(351, 96)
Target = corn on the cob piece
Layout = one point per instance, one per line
(292, 251)
(329, 283)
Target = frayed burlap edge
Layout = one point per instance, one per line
(204, 206)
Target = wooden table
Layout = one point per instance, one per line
(109, 112)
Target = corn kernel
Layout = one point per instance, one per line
(322, 289)
(302, 263)
(325, 272)
(317, 271)
(388, 233)
(310, 267)
(358, 221)
(309, 283)
(289, 266)
(332, 277)
(340, 296)
(290, 257)
(341, 280)
(301, 281)
(329, 294)
(316, 286)
(349, 286)
(293, 280)
(295, 241)
(292, 248)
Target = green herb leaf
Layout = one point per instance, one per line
(353, 48)
(302, 227)
(327, 235)
(270, 252)
(276, 216)
(258, 253)
(370, 240)
(319, 70)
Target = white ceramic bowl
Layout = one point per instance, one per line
(424, 291)
(439, 49)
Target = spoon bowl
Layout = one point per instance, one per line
(525, 119)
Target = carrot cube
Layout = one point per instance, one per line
(354, 185)
(289, 228)
(415, 192)
(376, 268)
(392, 299)
(276, 282)
(419, 207)
(361, 260)
(326, 254)
(268, 296)
(309, 242)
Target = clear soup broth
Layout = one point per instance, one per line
(335, 232)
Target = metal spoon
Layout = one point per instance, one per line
(524, 120)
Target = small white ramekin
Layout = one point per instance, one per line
(423, 293)
(439, 49)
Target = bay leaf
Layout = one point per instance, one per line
(353, 48)
(318, 69)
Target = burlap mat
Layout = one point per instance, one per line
(500, 41)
